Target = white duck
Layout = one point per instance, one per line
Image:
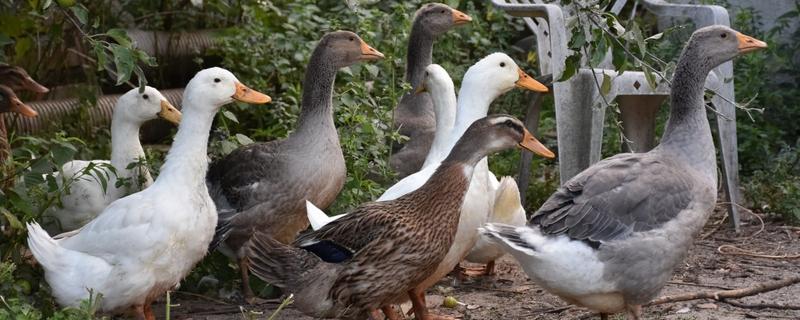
(486, 80)
(437, 82)
(144, 244)
(507, 210)
(610, 237)
(85, 196)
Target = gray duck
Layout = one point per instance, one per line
(610, 237)
(361, 262)
(414, 116)
(263, 186)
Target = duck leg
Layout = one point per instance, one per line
(424, 303)
(604, 316)
(244, 265)
(421, 309)
(634, 312)
(391, 313)
(138, 312)
(462, 273)
(148, 311)
(489, 268)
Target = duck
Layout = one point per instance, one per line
(16, 78)
(507, 210)
(439, 85)
(492, 76)
(85, 197)
(9, 102)
(143, 244)
(414, 116)
(609, 238)
(358, 264)
(263, 186)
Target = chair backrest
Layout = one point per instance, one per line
(540, 28)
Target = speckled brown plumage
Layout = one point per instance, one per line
(381, 249)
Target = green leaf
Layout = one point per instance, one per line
(5, 40)
(650, 77)
(605, 88)
(12, 220)
(230, 116)
(570, 66)
(62, 155)
(243, 139)
(372, 69)
(102, 56)
(81, 13)
(120, 36)
(123, 62)
(46, 4)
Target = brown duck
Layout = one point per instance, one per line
(360, 263)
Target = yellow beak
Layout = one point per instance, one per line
(530, 143)
(169, 113)
(245, 94)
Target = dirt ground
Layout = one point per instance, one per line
(510, 295)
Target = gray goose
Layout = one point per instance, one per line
(414, 116)
(263, 186)
(610, 237)
(361, 262)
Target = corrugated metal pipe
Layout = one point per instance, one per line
(172, 44)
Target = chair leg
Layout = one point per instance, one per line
(728, 150)
(532, 123)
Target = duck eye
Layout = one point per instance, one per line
(352, 39)
(443, 11)
(217, 80)
(509, 123)
(145, 97)
(502, 64)
(724, 35)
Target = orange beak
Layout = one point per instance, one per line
(460, 18)
(530, 143)
(525, 81)
(369, 53)
(748, 43)
(245, 94)
(22, 108)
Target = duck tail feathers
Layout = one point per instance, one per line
(44, 248)
(508, 205)
(512, 238)
(279, 264)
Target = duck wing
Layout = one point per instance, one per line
(616, 197)
(239, 179)
(341, 239)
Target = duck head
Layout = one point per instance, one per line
(9, 102)
(17, 78)
(139, 107)
(499, 132)
(345, 48)
(438, 18)
(436, 79)
(217, 87)
(497, 73)
(717, 44)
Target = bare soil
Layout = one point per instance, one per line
(510, 295)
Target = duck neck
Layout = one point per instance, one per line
(473, 104)
(441, 197)
(420, 53)
(444, 105)
(187, 160)
(687, 132)
(126, 148)
(316, 112)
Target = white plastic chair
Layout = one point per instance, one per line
(580, 115)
